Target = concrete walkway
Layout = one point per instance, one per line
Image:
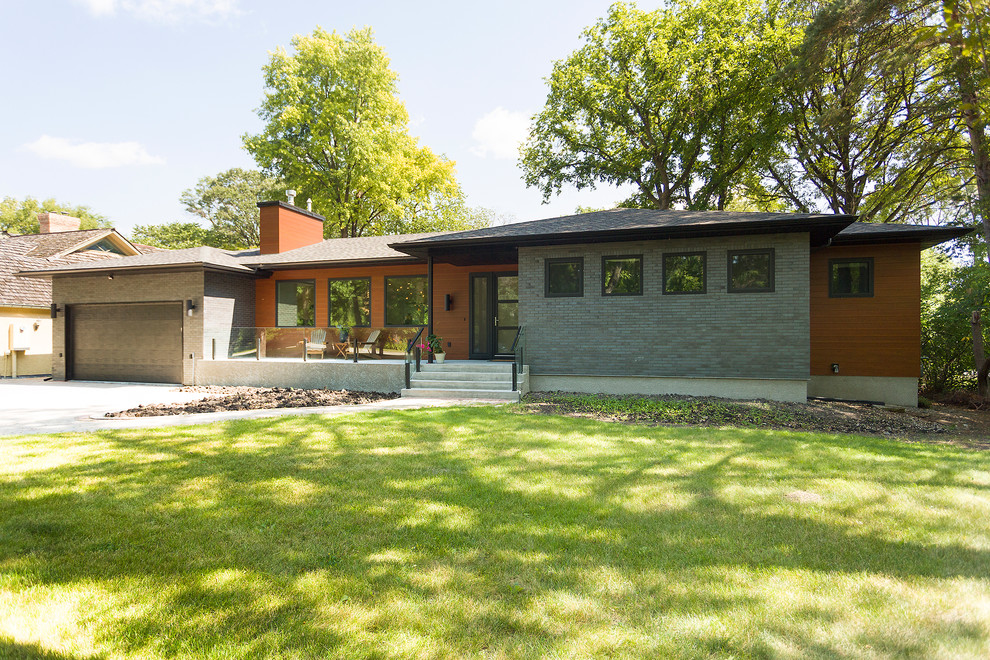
(33, 405)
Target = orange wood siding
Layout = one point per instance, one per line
(875, 336)
(282, 230)
(452, 325)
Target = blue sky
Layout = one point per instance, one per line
(123, 104)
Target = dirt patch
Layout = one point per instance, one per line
(219, 399)
(941, 423)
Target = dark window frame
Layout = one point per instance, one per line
(606, 257)
(773, 268)
(562, 260)
(869, 261)
(330, 304)
(385, 296)
(704, 273)
(295, 281)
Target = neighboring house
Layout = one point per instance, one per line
(772, 305)
(25, 315)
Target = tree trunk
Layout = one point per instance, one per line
(982, 365)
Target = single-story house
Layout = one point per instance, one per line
(772, 305)
(25, 319)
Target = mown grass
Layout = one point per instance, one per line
(479, 532)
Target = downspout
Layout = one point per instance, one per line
(429, 299)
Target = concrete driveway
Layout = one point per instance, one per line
(33, 405)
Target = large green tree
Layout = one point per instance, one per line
(173, 235)
(676, 102)
(336, 132)
(865, 131)
(229, 202)
(21, 216)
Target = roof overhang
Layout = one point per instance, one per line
(342, 263)
(105, 269)
(926, 236)
(819, 228)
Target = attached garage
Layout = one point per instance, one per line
(133, 342)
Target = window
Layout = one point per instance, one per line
(405, 300)
(685, 273)
(294, 303)
(105, 245)
(850, 278)
(622, 276)
(751, 271)
(350, 302)
(564, 277)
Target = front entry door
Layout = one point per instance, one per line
(494, 314)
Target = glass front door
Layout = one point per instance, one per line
(494, 314)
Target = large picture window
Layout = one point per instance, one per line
(684, 273)
(622, 276)
(751, 271)
(294, 303)
(564, 277)
(850, 278)
(405, 300)
(350, 302)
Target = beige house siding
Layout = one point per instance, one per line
(37, 360)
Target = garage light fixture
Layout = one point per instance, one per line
(190, 307)
(55, 311)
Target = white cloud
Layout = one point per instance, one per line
(92, 155)
(500, 133)
(168, 11)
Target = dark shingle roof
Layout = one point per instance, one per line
(338, 250)
(635, 224)
(40, 251)
(872, 232)
(207, 257)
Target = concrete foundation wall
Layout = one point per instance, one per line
(363, 376)
(715, 334)
(891, 391)
(729, 388)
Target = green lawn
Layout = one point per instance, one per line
(484, 533)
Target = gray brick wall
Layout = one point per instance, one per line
(161, 286)
(228, 302)
(716, 334)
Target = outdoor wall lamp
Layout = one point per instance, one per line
(448, 302)
(109, 276)
(190, 307)
(835, 367)
(55, 310)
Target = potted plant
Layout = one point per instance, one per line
(436, 347)
(345, 331)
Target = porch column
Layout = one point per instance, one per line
(429, 300)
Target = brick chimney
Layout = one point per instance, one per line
(55, 222)
(285, 227)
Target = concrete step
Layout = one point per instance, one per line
(501, 395)
(462, 375)
(472, 384)
(475, 366)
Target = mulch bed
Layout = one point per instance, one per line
(942, 424)
(221, 399)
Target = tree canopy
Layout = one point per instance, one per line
(336, 132)
(229, 202)
(173, 235)
(675, 101)
(21, 216)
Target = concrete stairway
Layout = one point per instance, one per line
(464, 380)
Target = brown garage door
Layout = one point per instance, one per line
(140, 342)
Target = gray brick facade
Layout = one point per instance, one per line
(716, 334)
(228, 302)
(163, 286)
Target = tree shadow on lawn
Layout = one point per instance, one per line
(457, 532)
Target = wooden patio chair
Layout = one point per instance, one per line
(317, 343)
(373, 341)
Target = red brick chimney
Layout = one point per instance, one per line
(54, 222)
(285, 227)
